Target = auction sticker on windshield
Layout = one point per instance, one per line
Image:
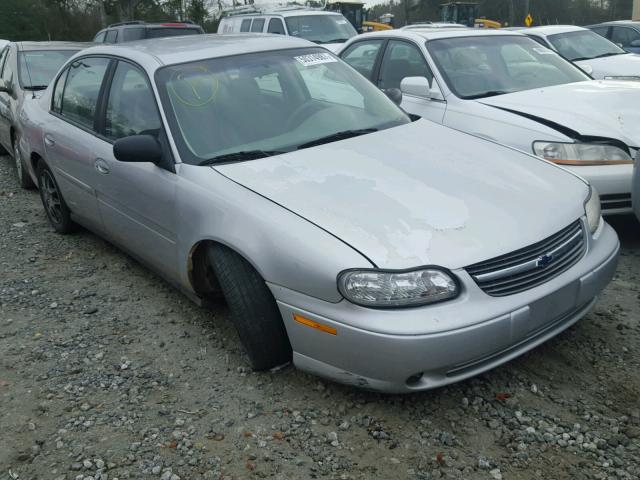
(315, 59)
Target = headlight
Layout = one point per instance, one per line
(581, 153)
(627, 77)
(397, 288)
(592, 210)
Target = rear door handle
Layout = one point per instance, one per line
(49, 141)
(101, 166)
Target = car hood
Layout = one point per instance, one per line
(617, 65)
(602, 108)
(419, 194)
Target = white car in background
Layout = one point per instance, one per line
(596, 55)
(505, 87)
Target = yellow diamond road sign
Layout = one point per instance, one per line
(528, 20)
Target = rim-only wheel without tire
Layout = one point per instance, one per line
(56, 209)
(24, 179)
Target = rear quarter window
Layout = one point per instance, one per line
(172, 31)
(246, 25)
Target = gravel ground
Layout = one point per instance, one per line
(106, 372)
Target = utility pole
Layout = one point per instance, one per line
(636, 10)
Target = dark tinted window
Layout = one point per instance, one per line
(111, 37)
(131, 108)
(257, 25)
(362, 56)
(130, 34)
(3, 55)
(99, 38)
(82, 88)
(402, 59)
(38, 67)
(246, 25)
(276, 26)
(602, 31)
(171, 32)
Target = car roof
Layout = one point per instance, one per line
(437, 33)
(284, 13)
(553, 29)
(27, 46)
(188, 48)
(633, 23)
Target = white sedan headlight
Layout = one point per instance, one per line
(397, 288)
(581, 153)
(592, 210)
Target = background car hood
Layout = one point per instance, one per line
(617, 65)
(419, 194)
(603, 108)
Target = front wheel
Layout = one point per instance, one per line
(55, 207)
(24, 179)
(253, 309)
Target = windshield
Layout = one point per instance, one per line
(38, 67)
(268, 102)
(482, 66)
(321, 28)
(583, 45)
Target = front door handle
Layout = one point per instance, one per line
(49, 141)
(101, 166)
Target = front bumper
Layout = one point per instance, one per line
(421, 348)
(613, 183)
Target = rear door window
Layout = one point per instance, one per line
(82, 90)
(130, 34)
(624, 36)
(257, 25)
(246, 25)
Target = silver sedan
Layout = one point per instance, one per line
(368, 247)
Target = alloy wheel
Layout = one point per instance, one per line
(51, 197)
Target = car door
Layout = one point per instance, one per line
(136, 200)
(403, 59)
(627, 37)
(10, 80)
(70, 136)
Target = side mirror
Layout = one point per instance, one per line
(419, 87)
(394, 94)
(588, 69)
(4, 88)
(635, 44)
(138, 148)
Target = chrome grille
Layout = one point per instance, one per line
(530, 266)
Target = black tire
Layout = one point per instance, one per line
(253, 309)
(55, 207)
(24, 179)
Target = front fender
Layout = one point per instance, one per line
(283, 247)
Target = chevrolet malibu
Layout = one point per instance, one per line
(503, 86)
(371, 249)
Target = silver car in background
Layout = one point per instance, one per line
(26, 68)
(368, 248)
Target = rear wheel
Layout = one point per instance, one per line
(253, 309)
(24, 179)
(54, 205)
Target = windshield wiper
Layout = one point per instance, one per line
(240, 156)
(334, 137)
(609, 54)
(335, 40)
(490, 93)
(35, 87)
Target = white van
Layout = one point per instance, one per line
(330, 29)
